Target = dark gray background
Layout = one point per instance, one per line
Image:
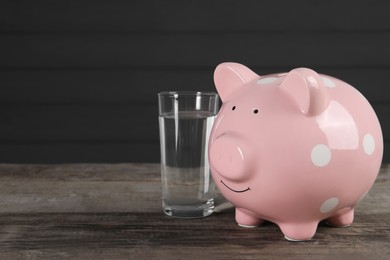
(78, 79)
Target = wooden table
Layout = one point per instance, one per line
(113, 211)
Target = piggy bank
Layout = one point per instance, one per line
(292, 148)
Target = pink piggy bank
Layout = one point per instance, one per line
(292, 148)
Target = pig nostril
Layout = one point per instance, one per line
(234, 108)
(256, 111)
(230, 156)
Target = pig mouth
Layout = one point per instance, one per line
(238, 191)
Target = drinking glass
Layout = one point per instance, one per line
(185, 122)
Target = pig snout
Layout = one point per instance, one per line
(231, 157)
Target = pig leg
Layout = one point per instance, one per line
(246, 218)
(343, 218)
(299, 231)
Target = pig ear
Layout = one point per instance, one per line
(307, 90)
(229, 76)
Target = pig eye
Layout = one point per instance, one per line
(234, 108)
(255, 111)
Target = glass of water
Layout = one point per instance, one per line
(185, 120)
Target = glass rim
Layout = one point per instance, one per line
(187, 93)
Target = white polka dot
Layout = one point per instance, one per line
(368, 144)
(264, 81)
(321, 155)
(329, 205)
(328, 82)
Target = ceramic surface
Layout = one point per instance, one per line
(293, 148)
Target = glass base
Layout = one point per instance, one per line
(189, 211)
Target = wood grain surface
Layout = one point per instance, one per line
(113, 211)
